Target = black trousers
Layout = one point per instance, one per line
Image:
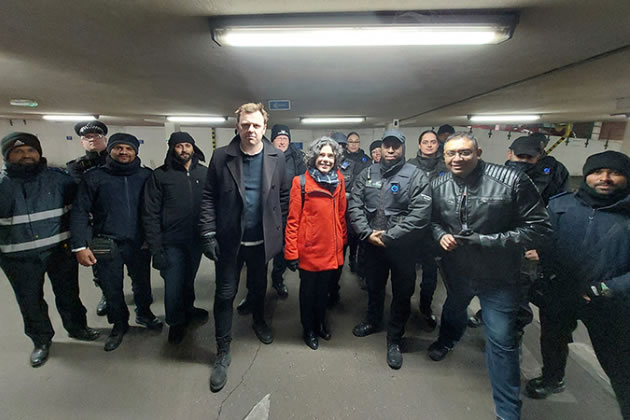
(111, 275)
(379, 263)
(313, 298)
(608, 323)
(333, 281)
(428, 283)
(228, 272)
(26, 276)
(179, 282)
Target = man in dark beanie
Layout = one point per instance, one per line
(375, 151)
(587, 264)
(34, 233)
(112, 195)
(94, 141)
(172, 198)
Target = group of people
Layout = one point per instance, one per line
(506, 234)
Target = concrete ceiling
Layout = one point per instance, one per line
(131, 61)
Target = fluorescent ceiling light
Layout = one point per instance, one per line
(29, 103)
(332, 120)
(503, 118)
(362, 29)
(69, 117)
(197, 120)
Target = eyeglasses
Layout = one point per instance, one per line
(462, 153)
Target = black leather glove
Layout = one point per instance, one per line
(210, 246)
(470, 239)
(292, 264)
(597, 290)
(160, 262)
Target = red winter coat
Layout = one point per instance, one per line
(316, 231)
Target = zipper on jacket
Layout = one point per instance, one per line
(463, 211)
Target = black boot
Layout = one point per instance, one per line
(39, 355)
(394, 355)
(116, 336)
(281, 289)
(218, 378)
(310, 339)
(539, 388)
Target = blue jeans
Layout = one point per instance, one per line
(179, 282)
(500, 308)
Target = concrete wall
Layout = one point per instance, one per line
(60, 143)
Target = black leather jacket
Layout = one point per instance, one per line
(499, 204)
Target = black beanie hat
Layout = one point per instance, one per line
(86, 127)
(375, 144)
(180, 137)
(280, 130)
(610, 160)
(183, 137)
(122, 138)
(12, 140)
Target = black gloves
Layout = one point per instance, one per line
(160, 262)
(599, 289)
(210, 246)
(292, 264)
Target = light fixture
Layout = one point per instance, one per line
(197, 120)
(332, 120)
(29, 103)
(363, 29)
(503, 118)
(67, 117)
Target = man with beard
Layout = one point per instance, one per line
(484, 216)
(389, 207)
(94, 141)
(34, 232)
(588, 267)
(243, 213)
(172, 198)
(112, 194)
(432, 165)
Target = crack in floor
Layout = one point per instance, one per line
(251, 364)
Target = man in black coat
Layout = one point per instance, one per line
(172, 199)
(587, 267)
(243, 212)
(94, 140)
(484, 216)
(294, 165)
(112, 195)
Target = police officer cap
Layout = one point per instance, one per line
(526, 145)
(90, 127)
(339, 137)
(395, 133)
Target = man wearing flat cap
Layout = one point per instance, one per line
(172, 199)
(94, 141)
(112, 194)
(34, 232)
(587, 263)
(389, 209)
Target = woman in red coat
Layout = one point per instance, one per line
(316, 233)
